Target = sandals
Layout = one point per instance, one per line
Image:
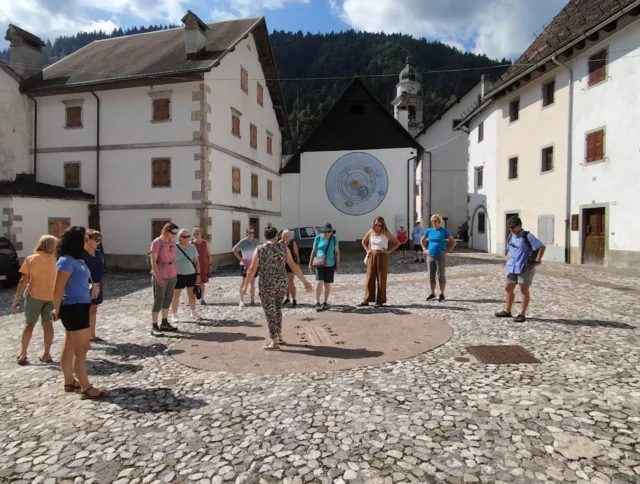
(45, 361)
(22, 362)
(503, 314)
(72, 387)
(271, 348)
(97, 339)
(86, 396)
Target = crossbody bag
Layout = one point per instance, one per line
(196, 289)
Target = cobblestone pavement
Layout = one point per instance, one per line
(575, 417)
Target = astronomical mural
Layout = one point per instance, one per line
(357, 183)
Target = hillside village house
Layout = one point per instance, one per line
(560, 146)
(358, 163)
(181, 125)
(28, 208)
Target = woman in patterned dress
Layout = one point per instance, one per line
(272, 258)
(204, 256)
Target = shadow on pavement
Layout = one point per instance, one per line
(106, 367)
(152, 400)
(331, 352)
(585, 322)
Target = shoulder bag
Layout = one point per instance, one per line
(196, 289)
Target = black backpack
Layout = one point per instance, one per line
(533, 254)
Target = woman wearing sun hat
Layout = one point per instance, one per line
(325, 259)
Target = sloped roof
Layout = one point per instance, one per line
(25, 186)
(160, 55)
(9, 70)
(369, 127)
(575, 19)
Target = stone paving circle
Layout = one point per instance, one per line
(323, 342)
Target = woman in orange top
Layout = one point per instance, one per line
(38, 272)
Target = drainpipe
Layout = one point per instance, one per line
(567, 251)
(410, 191)
(430, 184)
(35, 136)
(97, 152)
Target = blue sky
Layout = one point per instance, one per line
(498, 28)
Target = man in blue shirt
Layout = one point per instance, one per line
(416, 235)
(525, 252)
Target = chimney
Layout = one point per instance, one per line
(195, 35)
(485, 85)
(26, 52)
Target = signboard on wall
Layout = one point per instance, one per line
(575, 222)
(401, 220)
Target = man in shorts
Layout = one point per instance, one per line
(416, 235)
(244, 253)
(525, 253)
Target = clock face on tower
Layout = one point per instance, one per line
(413, 89)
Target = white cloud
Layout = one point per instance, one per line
(52, 18)
(250, 8)
(498, 28)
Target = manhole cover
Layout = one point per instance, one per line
(502, 355)
(325, 342)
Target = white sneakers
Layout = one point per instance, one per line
(193, 316)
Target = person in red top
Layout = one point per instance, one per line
(204, 256)
(164, 273)
(403, 237)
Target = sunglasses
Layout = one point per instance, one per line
(250, 233)
(185, 236)
(377, 225)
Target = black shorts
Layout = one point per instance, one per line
(75, 317)
(417, 248)
(188, 280)
(97, 301)
(325, 274)
(403, 246)
(244, 270)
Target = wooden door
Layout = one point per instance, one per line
(57, 226)
(594, 236)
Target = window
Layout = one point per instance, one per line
(161, 109)
(57, 226)
(513, 168)
(244, 80)
(72, 175)
(269, 190)
(235, 123)
(412, 113)
(157, 226)
(74, 117)
(269, 144)
(482, 222)
(546, 228)
(235, 180)
(254, 185)
(597, 67)
(235, 232)
(548, 93)
(161, 172)
(260, 95)
(595, 146)
(514, 110)
(479, 177)
(455, 123)
(547, 159)
(481, 132)
(254, 136)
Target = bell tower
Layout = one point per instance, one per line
(407, 106)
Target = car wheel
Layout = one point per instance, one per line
(11, 281)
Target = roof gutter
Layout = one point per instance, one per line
(621, 13)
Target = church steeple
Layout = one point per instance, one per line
(407, 106)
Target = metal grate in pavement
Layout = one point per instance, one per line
(502, 355)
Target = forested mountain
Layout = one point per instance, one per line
(315, 68)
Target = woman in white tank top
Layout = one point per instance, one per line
(376, 243)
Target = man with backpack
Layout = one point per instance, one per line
(525, 252)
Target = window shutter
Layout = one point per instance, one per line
(542, 228)
(161, 109)
(74, 117)
(235, 231)
(550, 230)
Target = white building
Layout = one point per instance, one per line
(564, 152)
(28, 209)
(443, 169)
(358, 163)
(181, 125)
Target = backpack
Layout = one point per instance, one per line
(533, 254)
(148, 257)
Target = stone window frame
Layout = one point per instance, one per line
(255, 193)
(73, 103)
(159, 95)
(544, 88)
(543, 150)
(64, 181)
(511, 158)
(244, 80)
(239, 190)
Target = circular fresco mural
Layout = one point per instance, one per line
(357, 183)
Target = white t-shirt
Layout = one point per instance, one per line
(378, 242)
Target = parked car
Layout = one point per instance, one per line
(9, 264)
(304, 237)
